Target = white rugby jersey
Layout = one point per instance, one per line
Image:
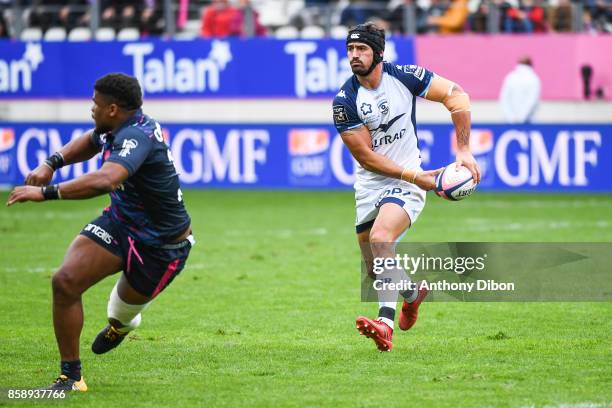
(389, 114)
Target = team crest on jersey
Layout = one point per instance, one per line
(383, 106)
(128, 145)
(366, 108)
(340, 114)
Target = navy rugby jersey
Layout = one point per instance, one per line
(149, 203)
(389, 114)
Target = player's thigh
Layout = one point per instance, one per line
(129, 295)
(85, 264)
(392, 221)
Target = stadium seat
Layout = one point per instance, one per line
(79, 34)
(287, 32)
(271, 14)
(192, 26)
(339, 32)
(312, 32)
(105, 34)
(128, 34)
(31, 34)
(55, 34)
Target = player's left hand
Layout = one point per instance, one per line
(465, 158)
(22, 194)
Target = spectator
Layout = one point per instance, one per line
(520, 93)
(313, 13)
(217, 20)
(4, 29)
(360, 11)
(397, 17)
(240, 22)
(562, 17)
(118, 13)
(73, 13)
(151, 20)
(479, 20)
(537, 15)
(527, 18)
(453, 20)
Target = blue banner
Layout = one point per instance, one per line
(527, 158)
(179, 69)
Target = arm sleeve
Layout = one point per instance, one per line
(131, 147)
(345, 113)
(417, 79)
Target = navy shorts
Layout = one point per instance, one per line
(149, 270)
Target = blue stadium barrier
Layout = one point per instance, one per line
(513, 158)
(184, 69)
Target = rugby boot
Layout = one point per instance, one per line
(376, 330)
(107, 339)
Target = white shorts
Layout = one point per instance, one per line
(368, 202)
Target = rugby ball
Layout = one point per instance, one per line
(455, 183)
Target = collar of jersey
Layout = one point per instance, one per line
(129, 121)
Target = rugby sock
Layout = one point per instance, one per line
(128, 315)
(386, 313)
(71, 369)
(410, 295)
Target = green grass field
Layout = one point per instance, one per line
(263, 315)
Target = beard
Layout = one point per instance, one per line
(360, 70)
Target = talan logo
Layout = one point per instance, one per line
(128, 145)
(16, 75)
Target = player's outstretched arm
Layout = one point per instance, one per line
(102, 181)
(359, 143)
(77, 150)
(457, 101)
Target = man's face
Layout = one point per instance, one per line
(102, 112)
(360, 56)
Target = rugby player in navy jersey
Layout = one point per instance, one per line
(374, 113)
(145, 232)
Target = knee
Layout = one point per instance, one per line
(65, 285)
(381, 236)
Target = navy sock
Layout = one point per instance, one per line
(387, 312)
(71, 369)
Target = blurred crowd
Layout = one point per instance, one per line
(222, 18)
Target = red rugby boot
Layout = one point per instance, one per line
(377, 331)
(410, 311)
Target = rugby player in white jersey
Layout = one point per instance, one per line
(374, 112)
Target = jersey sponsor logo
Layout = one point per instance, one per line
(340, 114)
(415, 70)
(366, 108)
(99, 232)
(341, 94)
(388, 139)
(386, 126)
(383, 106)
(128, 145)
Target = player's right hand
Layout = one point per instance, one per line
(21, 194)
(40, 176)
(426, 180)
